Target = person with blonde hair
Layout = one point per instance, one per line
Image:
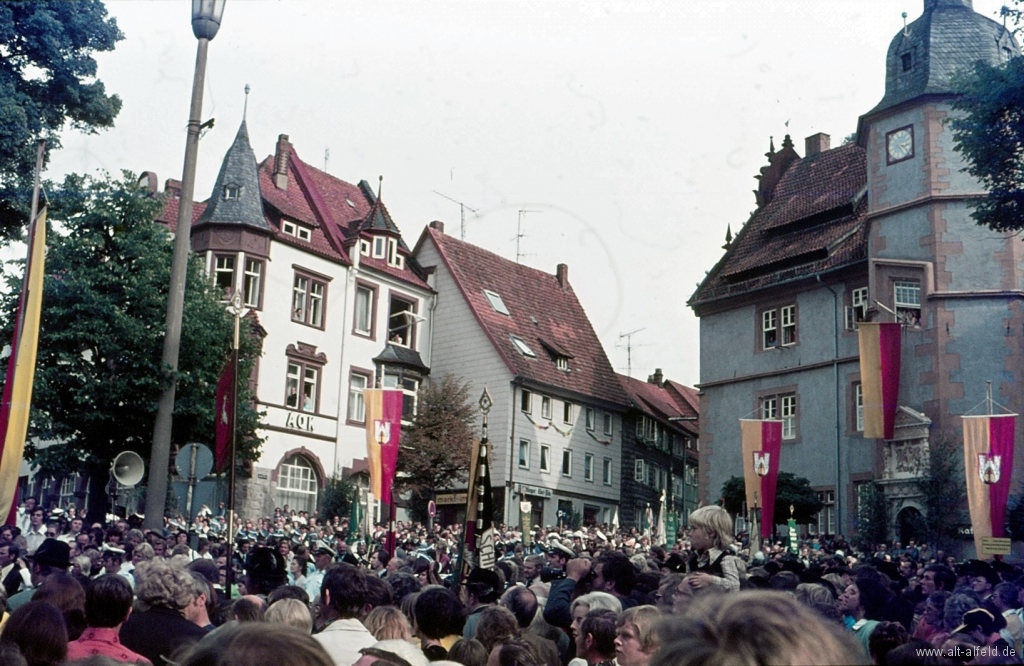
(753, 627)
(291, 612)
(711, 562)
(388, 623)
(636, 638)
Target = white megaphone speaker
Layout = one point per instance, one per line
(128, 468)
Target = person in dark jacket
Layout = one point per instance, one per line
(161, 632)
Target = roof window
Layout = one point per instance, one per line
(296, 230)
(231, 192)
(521, 346)
(908, 61)
(495, 300)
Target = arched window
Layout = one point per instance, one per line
(297, 484)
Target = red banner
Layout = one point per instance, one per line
(988, 462)
(880, 376)
(383, 429)
(225, 417)
(762, 446)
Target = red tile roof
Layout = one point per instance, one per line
(661, 402)
(539, 309)
(814, 223)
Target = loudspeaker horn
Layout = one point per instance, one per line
(128, 468)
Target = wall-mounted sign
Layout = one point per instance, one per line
(302, 423)
(450, 498)
(533, 490)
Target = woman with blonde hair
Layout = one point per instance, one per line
(711, 562)
(291, 612)
(387, 623)
(636, 638)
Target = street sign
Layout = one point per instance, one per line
(431, 508)
(995, 546)
(204, 461)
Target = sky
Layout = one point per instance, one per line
(620, 137)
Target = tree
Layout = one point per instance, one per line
(337, 497)
(790, 490)
(436, 449)
(944, 489)
(872, 515)
(47, 80)
(98, 372)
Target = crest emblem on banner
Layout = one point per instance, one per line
(762, 462)
(382, 430)
(989, 467)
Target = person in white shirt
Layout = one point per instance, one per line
(24, 512)
(344, 598)
(36, 532)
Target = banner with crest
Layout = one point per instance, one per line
(383, 428)
(762, 443)
(988, 461)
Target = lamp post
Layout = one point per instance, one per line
(206, 17)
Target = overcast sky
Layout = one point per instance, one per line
(630, 129)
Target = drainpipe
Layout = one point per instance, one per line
(835, 374)
(512, 455)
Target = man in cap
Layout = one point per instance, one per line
(113, 557)
(323, 556)
(483, 589)
(51, 557)
(984, 627)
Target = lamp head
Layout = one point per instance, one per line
(206, 16)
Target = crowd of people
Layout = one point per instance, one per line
(297, 590)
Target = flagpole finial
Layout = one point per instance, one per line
(485, 401)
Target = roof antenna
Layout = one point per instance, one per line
(1004, 11)
(906, 33)
(245, 108)
(327, 156)
(519, 229)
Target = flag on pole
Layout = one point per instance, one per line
(661, 519)
(988, 461)
(762, 444)
(615, 520)
(225, 424)
(383, 428)
(21, 368)
(879, 376)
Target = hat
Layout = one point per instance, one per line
(52, 553)
(559, 547)
(485, 578)
(323, 549)
(979, 618)
(112, 550)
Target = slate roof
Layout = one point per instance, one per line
(238, 170)
(540, 311)
(398, 355)
(660, 402)
(949, 36)
(813, 223)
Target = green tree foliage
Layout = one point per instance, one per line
(989, 134)
(98, 371)
(436, 449)
(872, 514)
(336, 498)
(790, 490)
(47, 81)
(945, 490)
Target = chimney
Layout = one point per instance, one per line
(817, 143)
(173, 187)
(657, 378)
(562, 275)
(281, 154)
(439, 226)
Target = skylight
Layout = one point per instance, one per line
(522, 347)
(499, 305)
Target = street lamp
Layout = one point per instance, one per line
(206, 17)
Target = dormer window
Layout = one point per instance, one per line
(379, 245)
(296, 230)
(395, 259)
(231, 192)
(521, 346)
(495, 300)
(364, 248)
(907, 60)
(562, 363)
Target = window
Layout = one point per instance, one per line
(495, 300)
(402, 322)
(858, 308)
(607, 423)
(409, 388)
(545, 407)
(770, 409)
(379, 244)
(591, 418)
(302, 384)
(356, 404)
(526, 401)
(567, 412)
(640, 471)
(521, 346)
(567, 463)
(677, 487)
(524, 454)
(297, 484)
(545, 458)
(907, 60)
(824, 522)
(364, 248)
(772, 321)
(224, 273)
(394, 259)
(365, 301)
(231, 192)
(296, 230)
(308, 301)
(908, 302)
(67, 488)
(253, 280)
(677, 446)
(606, 472)
(588, 467)
(562, 363)
(858, 398)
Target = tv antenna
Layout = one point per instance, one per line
(629, 349)
(462, 214)
(519, 229)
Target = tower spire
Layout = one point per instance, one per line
(245, 106)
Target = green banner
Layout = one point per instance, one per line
(791, 537)
(671, 528)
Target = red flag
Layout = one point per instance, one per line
(225, 423)
(880, 376)
(762, 445)
(383, 429)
